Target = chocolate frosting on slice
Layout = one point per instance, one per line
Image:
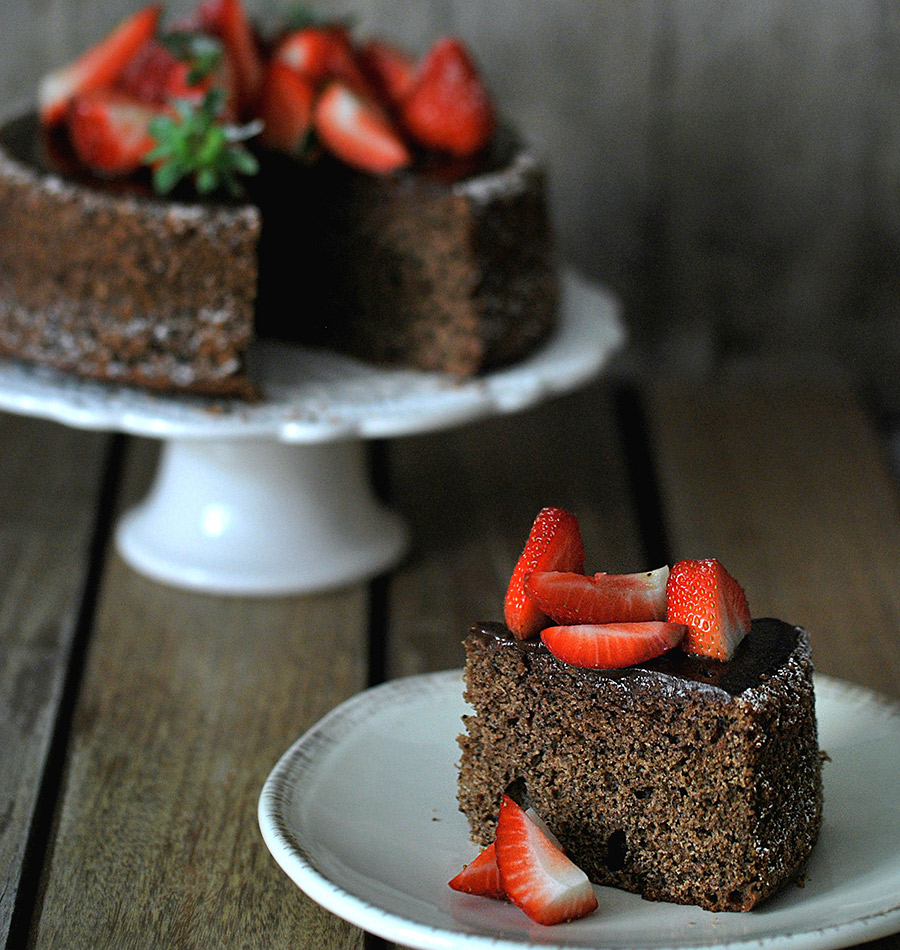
(763, 651)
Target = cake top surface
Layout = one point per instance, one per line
(764, 651)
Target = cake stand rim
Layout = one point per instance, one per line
(344, 398)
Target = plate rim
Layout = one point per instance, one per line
(290, 855)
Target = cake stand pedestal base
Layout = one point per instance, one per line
(256, 516)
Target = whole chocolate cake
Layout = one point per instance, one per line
(681, 778)
(183, 189)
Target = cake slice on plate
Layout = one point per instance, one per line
(692, 775)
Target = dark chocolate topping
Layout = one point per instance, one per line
(763, 651)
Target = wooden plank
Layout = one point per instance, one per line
(47, 521)
(187, 702)
(789, 487)
(471, 495)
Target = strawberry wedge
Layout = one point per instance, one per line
(286, 108)
(481, 876)
(703, 595)
(612, 646)
(554, 544)
(536, 875)
(355, 130)
(569, 598)
(96, 68)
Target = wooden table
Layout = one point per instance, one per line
(138, 722)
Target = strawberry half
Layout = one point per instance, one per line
(307, 52)
(110, 133)
(448, 108)
(612, 646)
(569, 598)
(320, 53)
(535, 874)
(481, 876)
(554, 544)
(357, 132)
(391, 69)
(227, 20)
(703, 595)
(98, 67)
(156, 76)
(286, 108)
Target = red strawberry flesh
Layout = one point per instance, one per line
(535, 874)
(705, 597)
(356, 131)
(448, 108)
(98, 67)
(391, 70)
(554, 544)
(286, 108)
(567, 597)
(612, 646)
(481, 876)
(110, 132)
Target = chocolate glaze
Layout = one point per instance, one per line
(760, 654)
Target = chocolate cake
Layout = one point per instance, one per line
(683, 779)
(447, 267)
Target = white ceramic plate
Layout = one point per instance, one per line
(361, 813)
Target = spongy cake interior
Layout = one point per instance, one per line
(683, 780)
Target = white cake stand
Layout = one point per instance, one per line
(275, 498)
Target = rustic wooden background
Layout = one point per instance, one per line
(732, 169)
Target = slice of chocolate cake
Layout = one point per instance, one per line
(683, 779)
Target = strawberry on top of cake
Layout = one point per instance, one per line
(131, 99)
(608, 621)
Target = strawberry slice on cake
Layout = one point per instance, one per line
(554, 544)
(98, 67)
(713, 605)
(567, 597)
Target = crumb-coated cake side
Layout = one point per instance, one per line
(683, 779)
(109, 284)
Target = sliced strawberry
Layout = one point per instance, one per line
(109, 131)
(392, 70)
(554, 544)
(612, 646)
(97, 68)
(320, 53)
(448, 108)
(569, 598)
(227, 20)
(344, 64)
(703, 595)
(356, 131)
(307, 52)
(535, 874)
(481, 876)
(155, 75)
(286, 108)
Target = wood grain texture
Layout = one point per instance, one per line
(788, 487)
(471, 496)
(186, 704)
(47, 521)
